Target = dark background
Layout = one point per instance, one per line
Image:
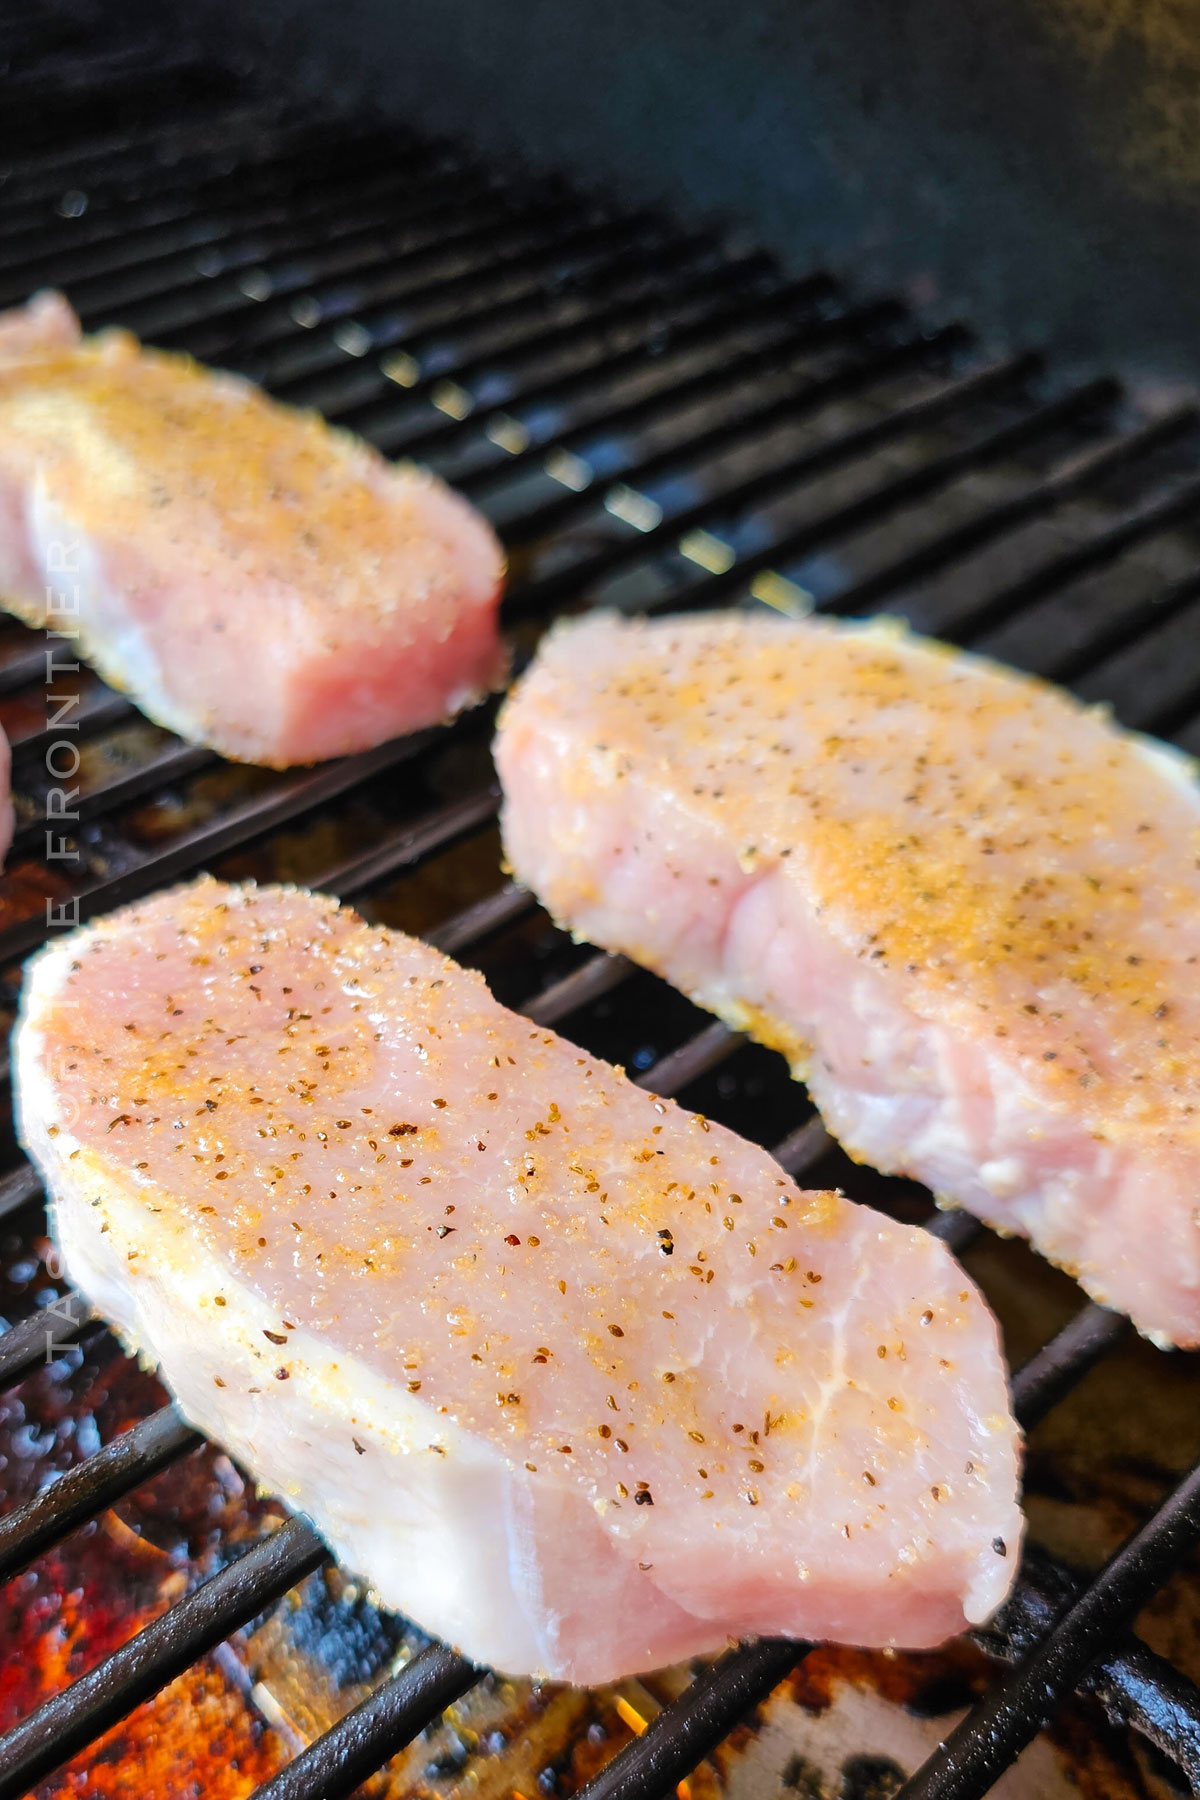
(1035, 166)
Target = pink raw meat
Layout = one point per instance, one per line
(583, 1382)
(964, 906)
(255, 580)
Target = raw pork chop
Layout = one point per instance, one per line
(583, 1382)
(964, 906)
(257, 581)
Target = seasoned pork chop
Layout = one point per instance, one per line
(583, 1382)
(965, 907)
(255, 580)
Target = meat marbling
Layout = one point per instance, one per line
(966, 907)
(255, 580)
(582, 1381)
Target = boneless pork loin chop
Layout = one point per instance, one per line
(583, 1382)
(966, 907)
(255, 580)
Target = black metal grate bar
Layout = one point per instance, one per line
(916, 484)
(1002, 606)
(105, 217)
(1123, 634)
(24, 666)
(806, 335)
(243, 231)
(1053, 1372)
(995, 1732)
(32, 1343)
(802, 393)
(626, 287)
(439, 265)
(441, 216)
(392, 1716)
(546, 342)
(684, 1733)
(1079, 473)
(291, 798)
(707, 1050)
(99, 708)
(91, 1486)
(804, 1147)
(411, 844)
(924, 481)
(957, 1230)
(502, 908)
(1134, 1686)
(690, 321)
(228, 270)
(619, 285)
(599, 975)
(174, 761)
(238, 139)
(69, 1721)
(132, 153)
(16, 1190)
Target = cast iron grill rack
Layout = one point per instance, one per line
(656, 416)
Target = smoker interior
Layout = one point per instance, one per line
(654, 417)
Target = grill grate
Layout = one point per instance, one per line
(653, 416)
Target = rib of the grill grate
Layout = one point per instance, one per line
(653, 416)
